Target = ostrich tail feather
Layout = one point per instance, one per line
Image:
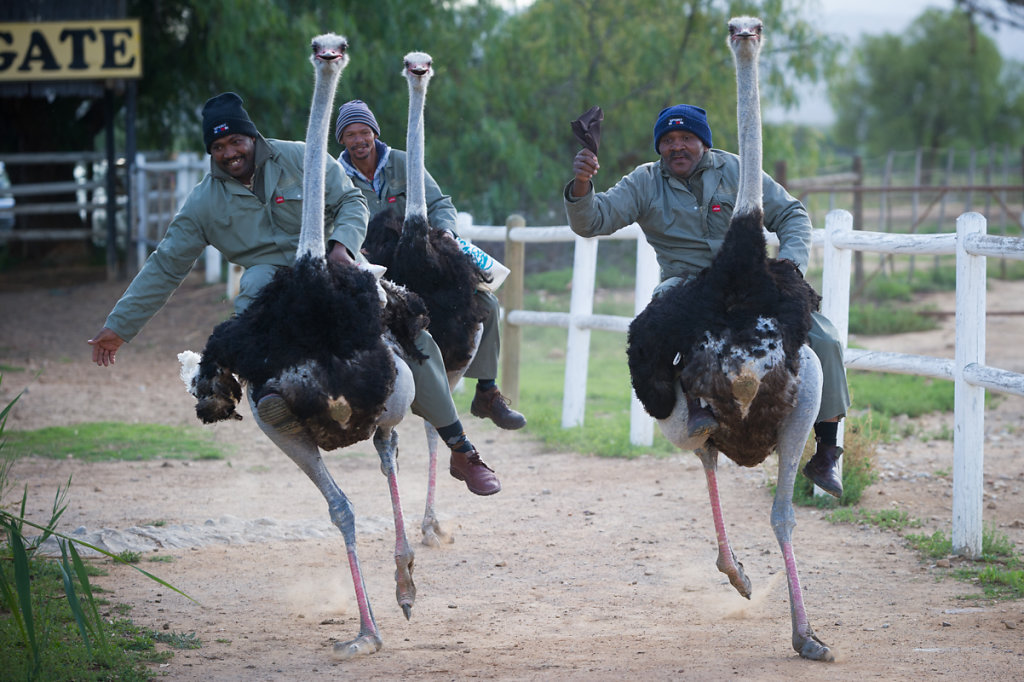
(189, 360)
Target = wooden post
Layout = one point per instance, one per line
(511, 295)
(968, 400)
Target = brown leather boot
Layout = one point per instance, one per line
(491, 404)
(467, 466)
(822, 472)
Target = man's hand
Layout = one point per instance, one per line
(340, 255)
(584, 167)
(104, 347)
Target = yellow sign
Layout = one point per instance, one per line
(71, 50)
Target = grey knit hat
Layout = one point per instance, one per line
(354, 111)
(224, 115)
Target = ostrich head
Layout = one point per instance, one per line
(418, 69)
(745, 36)
(330, 52)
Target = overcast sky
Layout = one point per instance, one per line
(853, 19)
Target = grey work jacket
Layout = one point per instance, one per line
(441, 211)
(248, 227)
(687, 233)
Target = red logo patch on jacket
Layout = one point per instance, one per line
(278, 200)
(392, 200)
(717, 208)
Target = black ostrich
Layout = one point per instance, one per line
(430, 263)
(320, 369)
(735, 337)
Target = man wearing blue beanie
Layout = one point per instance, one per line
(684, 203)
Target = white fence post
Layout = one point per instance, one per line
(581, 303)
(968, 399)
(641, 424)
(141, 209)
(835, 293)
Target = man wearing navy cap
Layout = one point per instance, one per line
(684, 203)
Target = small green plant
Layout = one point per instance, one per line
(179, 640)
(934, 546)
(51, 626)
(129, 557)
(887, 519)
(1002, 574)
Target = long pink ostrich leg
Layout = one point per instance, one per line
(792, 436)
(727, 562)
(433, 534)
(405, 590)
(296, 442)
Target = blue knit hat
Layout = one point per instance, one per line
(682, 117)
(354, 111)
(224, 115)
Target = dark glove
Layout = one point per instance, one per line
(587, 128)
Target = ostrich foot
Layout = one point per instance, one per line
(434, 535)
(813, 648)
(363, 645)
(405, 589)
(734, 569)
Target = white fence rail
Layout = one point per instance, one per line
(967, 370)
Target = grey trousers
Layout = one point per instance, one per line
(824, 341)
(485, 364)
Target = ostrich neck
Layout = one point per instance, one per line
(314, 163)
(416, 194)
(748, 115)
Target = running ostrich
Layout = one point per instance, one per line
(320, 371)
(432, 264)
(735, 338)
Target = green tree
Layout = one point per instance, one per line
(940, 84)
(556, 59)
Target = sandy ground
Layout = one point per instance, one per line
(581, 568)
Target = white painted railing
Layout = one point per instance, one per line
(967, 370)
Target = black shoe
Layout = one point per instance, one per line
(821, 470)
(491, 404)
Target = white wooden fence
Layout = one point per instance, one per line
(967, 370)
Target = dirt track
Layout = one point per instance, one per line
(581, 568)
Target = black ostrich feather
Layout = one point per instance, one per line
(430, 263)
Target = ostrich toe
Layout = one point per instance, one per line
(813, 648)
(734, 569)
(405, 589)
(364, 645)
(433, 534)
